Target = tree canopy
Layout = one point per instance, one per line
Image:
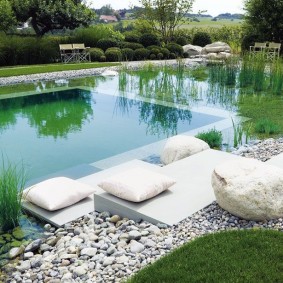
(165, 15)
(48, 15)
(7, 17)
(265, 18)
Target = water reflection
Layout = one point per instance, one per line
(52, 114)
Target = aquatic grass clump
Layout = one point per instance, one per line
(212, 137)
(276, 76)
(266, 126)
(12, 182)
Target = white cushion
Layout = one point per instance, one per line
(136, 184)
(181, 146)
(57, 193)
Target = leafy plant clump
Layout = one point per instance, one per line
(212, 137)
(12, 182)
(266, 126)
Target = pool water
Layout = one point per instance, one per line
(53, 131)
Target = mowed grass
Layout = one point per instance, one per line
(47, 68)
(234, 256)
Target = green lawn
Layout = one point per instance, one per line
(234, 256)
(37, 69)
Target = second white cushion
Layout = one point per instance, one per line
(136, 184)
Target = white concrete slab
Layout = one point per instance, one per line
(191, 192)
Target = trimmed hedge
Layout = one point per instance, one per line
(95, 54)
(106, 43)
(131, 45)
(148, 39)
(141, 54)
(113, 54)
(127, 54)
(175, 48)
(201, 39)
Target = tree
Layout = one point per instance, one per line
(265, 19)
(106, 10)
(7, 17)
(48, 15)
(165, 15)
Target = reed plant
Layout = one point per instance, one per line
(238, 133)
(212, 137)
(276, 76)
(266, 126)
(12, 182)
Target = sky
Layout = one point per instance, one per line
(213, 7)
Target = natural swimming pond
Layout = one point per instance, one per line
(53, 125)
(53, 131)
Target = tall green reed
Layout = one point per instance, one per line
(12, 182)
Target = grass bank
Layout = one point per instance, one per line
(47, 68)
(234, 256)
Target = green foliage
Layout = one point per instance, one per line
(152, 56)
(165, 16)
(175, 48)
(113, 54)
(201, 39)
(266, 126)
(141, 54)
(46, 16)
(249, 255)
(132, 36)
(95, 54)
(131, 45)
(159, 56)
(172, 55)
(154, 49)
(148, 39)
(264, 18)
(181, 40)
(212, 137)
(91, 35)
(249, 40)
(12, 182)
(7, 17)
(17, 50)
(165, 52)
(127, 54)
(106, 43)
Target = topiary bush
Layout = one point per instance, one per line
(201, 38)
(153, 49)
(165, 52)
(113, 54)
(127, 54)
(175, 48)
(172, 56)
(212, 137)
(159, 56)
(152, 56)
(148, 39)
(106, 43)
(141, 54)
(95, 54)
(181, 40)
(102, 58)
(131, 45)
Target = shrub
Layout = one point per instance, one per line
(181, 40)
(12, 182)
(172, 56)
(201, 38)
(91, 35)
(159, 56)
(148, 39)
(212, 137)
(249, 40)
(113, 54)
(152, 56)
(132, 37)
(186, 55)
(106, 43)
(175, 48)
(266, 126)
(95, 54)
(127, 54)
(141, 54)
(165, 52)
(153, 49)
(131, 45)
(102, 58)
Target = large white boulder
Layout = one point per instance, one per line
(249, 188)
(181, 146)
(216, 47)
(192, 50)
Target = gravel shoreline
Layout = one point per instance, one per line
(103, 248)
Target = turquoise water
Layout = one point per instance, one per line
(56, 130)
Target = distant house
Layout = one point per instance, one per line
(108, 19)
